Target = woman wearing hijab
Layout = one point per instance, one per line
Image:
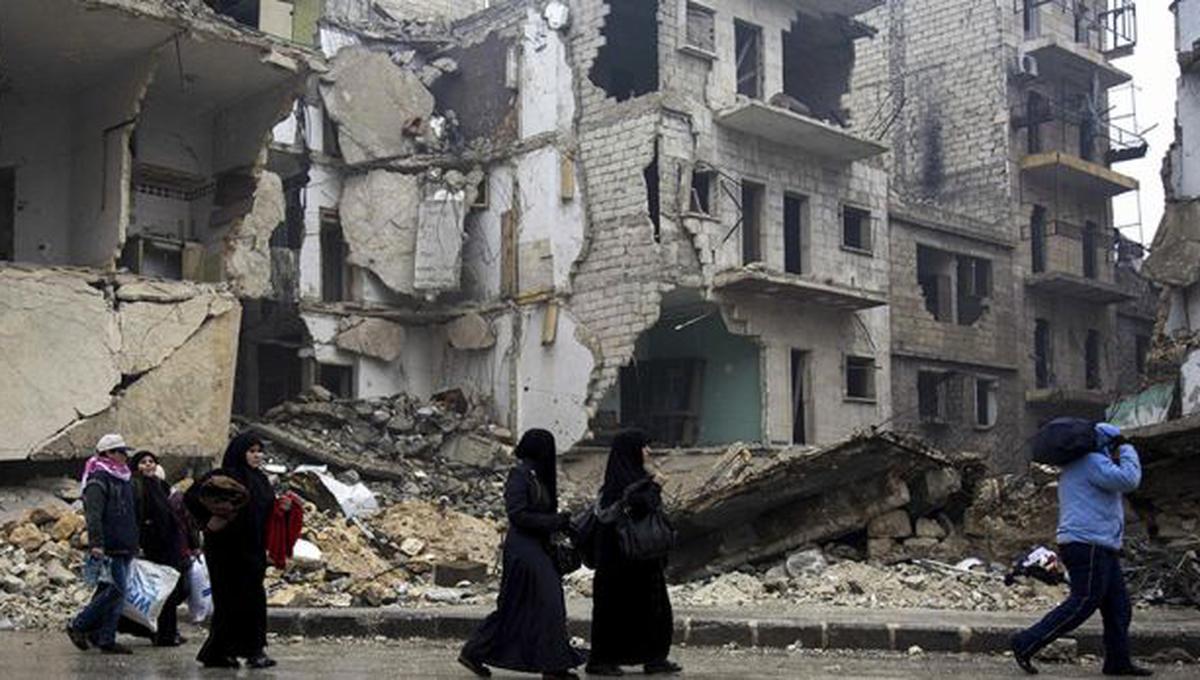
(236, 552)
(528, 630)
(631, 611)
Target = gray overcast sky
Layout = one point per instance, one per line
(1154, 71)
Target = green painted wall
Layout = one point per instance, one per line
(732, 393)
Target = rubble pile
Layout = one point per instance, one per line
(40, 560)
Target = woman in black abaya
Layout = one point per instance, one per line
(236, 552)
(631, 611)
(528, 630)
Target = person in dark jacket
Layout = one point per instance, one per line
(631, 611)
(236, 552)
(528, 630)
(163, 542)
(108, 507)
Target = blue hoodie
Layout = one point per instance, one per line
(1091, 490)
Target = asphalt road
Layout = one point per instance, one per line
(44, 656)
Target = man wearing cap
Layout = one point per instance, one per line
(108, 507)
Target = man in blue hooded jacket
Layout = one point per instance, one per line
(1091, 526)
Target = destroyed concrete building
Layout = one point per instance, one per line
(132, 134)
(1007, 280)
(592, 214)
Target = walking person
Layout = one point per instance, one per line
(232, 505)
(631, 610)
(528, 630)
(162, 541)
(1091, 526)
(108, 508)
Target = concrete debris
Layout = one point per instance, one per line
(379, 213)
(376, 338)
(248, 244)
(1175, 252)
(470, 332)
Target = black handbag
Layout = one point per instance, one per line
(563, 553)
(649, 537)
(585, 527)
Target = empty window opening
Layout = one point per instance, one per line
(8, 214)
(1141, 349)
(337, 379)
(931, 396)
(627, 64)
(279, 374)
(1042, 354)
(329, 136)
(974, 288)
(752, 207)
(653, 204)
(747, 39)
(290, 233)
(1031, 17)
(702, 188)
(986, 408)
(860, 378)
(1090, 244)
(1092, 360)
(701, 28)
(856, 228)
(818, 57)
(1037, 239)
(241, 11)
(1037, 112)
(935, 269)
(334, 281)
(795, 234)
(799, 421)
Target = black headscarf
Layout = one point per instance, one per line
(537, 447)
(626, 465)
(159, 535)
(262, 496)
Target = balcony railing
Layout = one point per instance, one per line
(1107, 26)
(1081, 130)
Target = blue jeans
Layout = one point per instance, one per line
(99, 618)
(1096, 583)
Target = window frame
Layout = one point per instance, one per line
(864, 362)
(867, 229)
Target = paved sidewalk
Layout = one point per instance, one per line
(815, 628)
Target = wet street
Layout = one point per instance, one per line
(49, 655)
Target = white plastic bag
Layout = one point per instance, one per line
(149, 587)
(200, 605)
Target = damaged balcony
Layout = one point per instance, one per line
(1082, 288)
(847, 8)
(782, 126)
(1059, 170)
(758, 281)
(1058, 59)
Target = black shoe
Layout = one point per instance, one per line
(170, 642)
(78, 638)
(604, 670)
(115, 648)
(221, 662)
(260, 661)
(662, 668)
(1025, 661)
(475, 667)
(1132, 671)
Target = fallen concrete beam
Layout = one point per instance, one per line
(367, 468)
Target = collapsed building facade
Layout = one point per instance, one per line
(131, 136)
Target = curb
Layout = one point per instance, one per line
(770, 633)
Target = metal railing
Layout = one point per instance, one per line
(1108, 141)
(1109, 26)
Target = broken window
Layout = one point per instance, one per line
(747, 40)
(1037, 239)
(8, 214)
(665, 395)
(1141, 349)
(1042, 353)
(986, 408)
(752, 206)
(931, 396)
(934, 268)
(795, 238)
(337, 379)
(1092, 360)
(974, 287)
(860, 378)
(627, 64)
(799, 366)
(856, 228)
(1090, 243)
(333, 259)
(701, 28)
(818, 57)
(703, 183)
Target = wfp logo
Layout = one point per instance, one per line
(138, 595)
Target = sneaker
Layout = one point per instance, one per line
(78, 638)
(115, 648)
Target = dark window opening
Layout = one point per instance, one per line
(1090, 244)
(974, 288)
(337, 379)
(1042, 353)
(653, 204)
(1092, 360)
(241, 11)
(747, 40)
(665, 397)
(986, 410)
(290, 233)
(1031, 24)
(931, 396)
(8, 214)
(280, 375)
(752, 206)
(860, 378)
(702, 187)
(701, 28)
(627, 64)
(856, 228)
(1037, 111)
(333, 260)
(329, 136)
(799, 364)
(1037, 239)
(795, 238)
(818, 57)
(1141, 349)
(933, 276)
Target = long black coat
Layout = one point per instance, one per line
(631, 612)
(528, 630)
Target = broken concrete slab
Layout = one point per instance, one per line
(470, 332)
(376, 104)
(1174, 258)
(248, 244)
(440, 233)
(379, 214)
(151, 331)
(377, 338)
(894, 524)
